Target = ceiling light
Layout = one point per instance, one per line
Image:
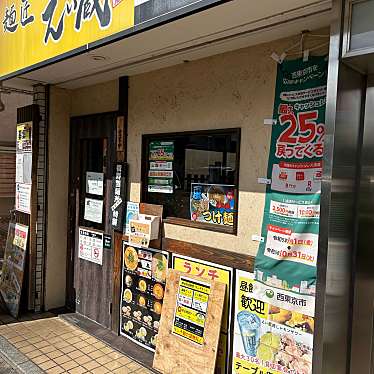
(98, 58)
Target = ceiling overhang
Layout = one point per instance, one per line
(229, 26)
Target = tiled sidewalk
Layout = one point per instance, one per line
(59, 347)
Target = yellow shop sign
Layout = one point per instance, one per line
(34, 31)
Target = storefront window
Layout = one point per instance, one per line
(194, 176)
(362, 28)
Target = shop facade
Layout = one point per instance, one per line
(176, 103)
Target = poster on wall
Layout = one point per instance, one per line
(93, 210)
(160, 174)
(267, 337)
(23, 168)
(95, 183)
(212, 203)
(20, 236)
(23, 198)
(210, 271)
(13, 267)
(91, 246)
(132, 212)
(24, 138)
(287, 258)
(143, 286)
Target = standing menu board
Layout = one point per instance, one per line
(190, 325)
(190, 311)
(14, 267)
(143, 287)
(210, 271)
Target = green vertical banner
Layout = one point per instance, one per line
(287, 256)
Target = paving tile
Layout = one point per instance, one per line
(91, 365)
(113, 365)
(99, 345)
(62, 345)
(96, 354)
(100, 370)
(62, 359)
(21, 344)
(34, 353)
(133, 366)
(27, 349)
(88, 349)
(58, 347)
(69, 365)
(54, 354)
(115, 355)
(40, 359)
(48, 349)
(104, 360)
(124, 360)
(47, 365)
(56, 370)
(68, 349)
(122, 370)
(81, 344)
(35, 340)
(107, 350)
(16, 339)
(83, 359)
(75, 354)
(41, 344)
(78, 370)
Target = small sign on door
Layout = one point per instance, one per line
(91, 246)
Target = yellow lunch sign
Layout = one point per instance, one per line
(33, 31)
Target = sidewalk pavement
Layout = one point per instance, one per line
(52, 345)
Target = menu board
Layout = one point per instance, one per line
(160, 174)
(191, 308)
(13, 267)
(143, 286)
(210, 271)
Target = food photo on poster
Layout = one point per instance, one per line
(143, 287)
(267, 337)
(212, 203)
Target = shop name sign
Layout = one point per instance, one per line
(46, 29)
(38, 32)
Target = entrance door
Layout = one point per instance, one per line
(92, 152)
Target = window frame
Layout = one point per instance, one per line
(147, 138)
